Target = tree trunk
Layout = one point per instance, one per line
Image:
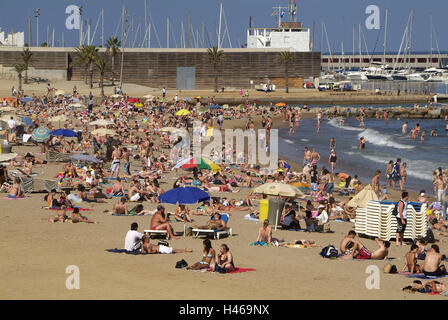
(91, 76)
(20, 83)
(102, 84)
(216, 78)
(26, 75)
(85, 75)
(286, 79)
(113, 70)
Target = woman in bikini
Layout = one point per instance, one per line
(207, 257)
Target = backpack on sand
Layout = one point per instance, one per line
(329, 252)
(181, 264)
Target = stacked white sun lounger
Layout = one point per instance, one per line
(376, 220)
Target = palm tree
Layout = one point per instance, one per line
(215, 57)
(101, 65)
(285, 58)
(113, 47)
(19, 68)
(86, 56)
(26, 59)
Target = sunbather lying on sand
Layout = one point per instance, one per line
(216, 224)
(77, 217)
(353, 249)
(151, 248)
(426, 287)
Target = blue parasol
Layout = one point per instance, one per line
(184, 195)
(27, 121)
(27, 99)
(64, 132)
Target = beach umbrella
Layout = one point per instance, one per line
(27, 99)
(59, 92)
(280, 104)
(148, 96)
(138, 105)
(84, 158)
(199, 97)
(76, 105)
(132, 100)
(199, 163)
(8, 99)
(279, 189)
(203, 109)
(27, 121)
(214, 106)
(182, 112)
(7, 109)
(116, 96)
(101, 122)
(6, 157)
(162, 100)
(360, 200)
(64, 132)
(60, 118)
(184, 195)
(7, 117)
(103, 132)
(187, 99)
(241, 106)
(41, 134)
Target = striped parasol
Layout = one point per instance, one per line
(41, 134)
(199, 163)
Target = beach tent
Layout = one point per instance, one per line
(360, 200)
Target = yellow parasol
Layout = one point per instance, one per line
(182, 112)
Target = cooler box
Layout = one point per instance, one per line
(275, 205)
(264, 209)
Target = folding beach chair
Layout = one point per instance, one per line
(217, 234)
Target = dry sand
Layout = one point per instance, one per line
(35, 254)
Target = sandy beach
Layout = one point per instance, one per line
(35, 253)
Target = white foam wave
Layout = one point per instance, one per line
(380, 139)
(305, 140)
(288, 141)
(335, 123)
(419, 169)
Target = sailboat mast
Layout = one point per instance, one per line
(385, 37)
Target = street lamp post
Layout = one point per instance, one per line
(36, 15)
(123, 43)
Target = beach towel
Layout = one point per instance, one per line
(68, 209)
(137, 252)
(241, 270)
(124, 215)
(19, 198)
(422, 276)
(300, 246)
(259, 243)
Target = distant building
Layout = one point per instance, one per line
(12, 39)
(290, 35)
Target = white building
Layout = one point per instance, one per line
(290, 35)
(12, 39)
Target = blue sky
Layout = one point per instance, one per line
(339, 17)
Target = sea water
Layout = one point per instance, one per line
(384, 142)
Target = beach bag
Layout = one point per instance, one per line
(395, 209)
(138, 208)
(181, 264)
(329, 252)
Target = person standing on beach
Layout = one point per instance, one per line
(115, 166)
(403, 174)
(401, 218)
(332, 143)
(396, 172)
(307, 157)
(332, 160)
(376, 182)
(319, 121)
(389, 173)
(315, 157)
(404, 128)
(163, 92)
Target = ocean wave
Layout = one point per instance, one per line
(419, 169)
(305, 140)
(288, 141)
(335, 123)
(379, 139)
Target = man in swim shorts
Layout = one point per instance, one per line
(431, 265)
